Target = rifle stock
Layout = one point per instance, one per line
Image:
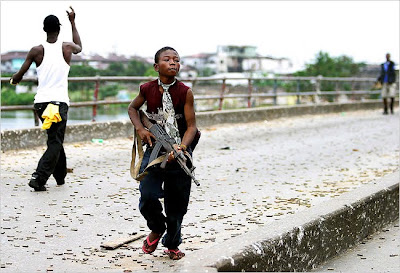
(145, 120)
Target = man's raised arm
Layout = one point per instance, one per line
(77, 47)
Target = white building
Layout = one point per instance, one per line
(12, 61)
(237, 59)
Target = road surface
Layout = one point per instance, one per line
(251, 174)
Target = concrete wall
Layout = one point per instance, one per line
(267, 113)
(28, 138)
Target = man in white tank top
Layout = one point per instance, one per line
(52, 59)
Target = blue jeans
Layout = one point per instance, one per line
(172, 184)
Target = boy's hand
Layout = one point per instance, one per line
(146, 136)
(171, 154)
(71, 15)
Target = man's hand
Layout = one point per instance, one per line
(15, 79)
(71, 15)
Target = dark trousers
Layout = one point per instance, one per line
(53, 161)
(385, 105)
(173, 185)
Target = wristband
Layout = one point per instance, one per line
(12, 82)
(183, 146)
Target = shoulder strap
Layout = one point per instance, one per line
(134, 169)
(137, 143)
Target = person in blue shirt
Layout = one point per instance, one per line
(388, 80)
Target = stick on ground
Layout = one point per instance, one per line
(113, 244)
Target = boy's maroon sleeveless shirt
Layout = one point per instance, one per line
(153, 97)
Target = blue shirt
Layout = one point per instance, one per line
(386, 67)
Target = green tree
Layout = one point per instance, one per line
(137, 68)
(342, 66)
(150, 72)
(114, 69)
(10, 97)
(327, 66)
(108, 91)
(81, 71)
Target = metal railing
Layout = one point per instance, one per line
(316, 94)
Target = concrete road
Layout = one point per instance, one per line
(251, 174)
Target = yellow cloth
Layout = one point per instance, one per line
(51, 114)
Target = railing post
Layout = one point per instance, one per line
(298, 91)
(337, 91)
(193, 83)
(35, 117)
(195, 104)
(317, 89)
(95, 97)
(275, 92)
(221, 98)
(250, 91)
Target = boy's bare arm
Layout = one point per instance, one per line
(133, 113)
(190, 119)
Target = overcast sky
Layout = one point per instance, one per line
(363, 30)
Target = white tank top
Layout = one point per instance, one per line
(52, 75)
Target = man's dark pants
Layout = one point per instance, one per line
(53, 162)
(172, 184)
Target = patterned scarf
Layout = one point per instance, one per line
(171, 126)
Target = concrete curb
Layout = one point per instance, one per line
(308, 238)
(28, 138)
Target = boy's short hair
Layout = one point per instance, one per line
(158, 53)
(51, 24)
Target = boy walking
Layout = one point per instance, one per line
(171, 104)
(52, 60)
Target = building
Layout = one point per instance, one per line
(202, 64)
(99, 62)
(241, 60)
(236, 59)
(12, 61)
(104, 62)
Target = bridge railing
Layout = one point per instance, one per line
(273, 93)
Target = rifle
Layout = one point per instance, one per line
(167, 142)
